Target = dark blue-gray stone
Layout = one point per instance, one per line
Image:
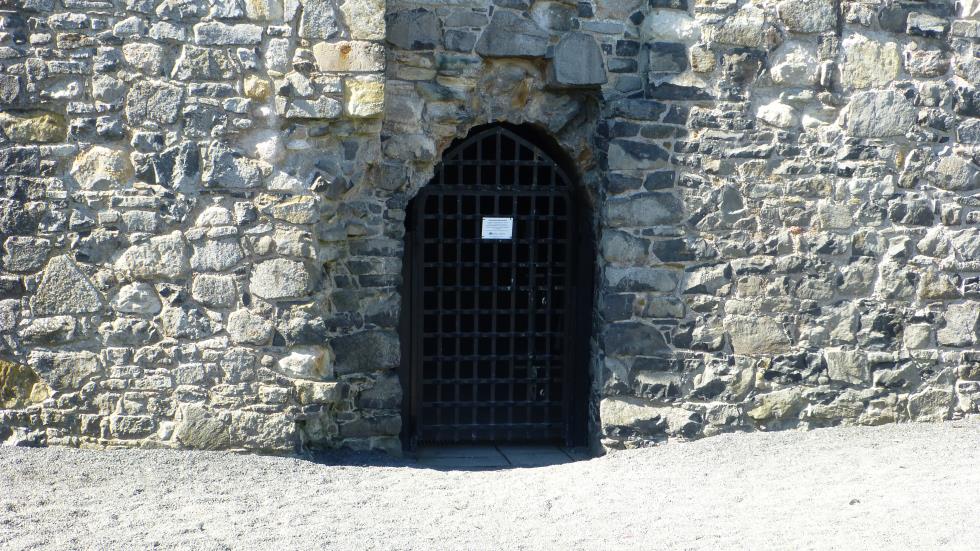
(669, 4)
(366, 351)
(637, 109)
(639, 279)
(459, 40)
(416, 29)
(14, 219)
(643, 210)
(660, 179)
(669, 91)
(578, 61)
(510, 35)
(672, 250)
(19, 160)
(668, 57)
(632, 338)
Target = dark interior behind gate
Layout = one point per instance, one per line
(492, 353)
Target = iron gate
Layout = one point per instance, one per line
(490, 323)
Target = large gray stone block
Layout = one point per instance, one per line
(578, 61)
(880, 114)
(510, 35)
(65, 289)
(417, 29)
(280, 278)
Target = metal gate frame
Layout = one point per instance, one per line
(577, 291)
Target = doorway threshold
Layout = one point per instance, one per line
(490, 456)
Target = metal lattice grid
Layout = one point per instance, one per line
(490, 323)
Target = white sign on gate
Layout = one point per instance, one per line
(498, 228)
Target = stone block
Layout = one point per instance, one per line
(355, 56)
(869, 63)
(280, 278)
(25, 254)
(808, 16)
(634, 279)
(757, 335)
(927, 25)
(131, 426)
(667, 58)
(264, 10)
(749, 27)
(626, 417)
(630, 338)
(954, 173)
(201, 428)
(147, 58)
(227, 168)
(962, 323)
(417, 29)
(847, 366)
(781, 405)
(365, 96)
(64, 371)
(366, 351)
(221, 34)
(307, 362)
(185, 322)
(136, 298)
(316, 393)
(20, 386)
(622, 248)
(9, 89)
(65, 289)
(246, 327)
(214, 290)
(794, 64)
(778, 114)
(197, 63)
(577, 61)
(636, 155)
(511, 35)
(320, 20)
(385, 393)
(162, 257)
(153, 101)
(101, 167)
(33, 126)
(643, 210)
(880, 114)
(216, 255)
(259, 431)
(932, 404)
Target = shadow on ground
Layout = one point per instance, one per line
(459, 458)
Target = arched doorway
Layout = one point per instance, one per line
(497, 299)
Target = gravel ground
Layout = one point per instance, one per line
(910, 486)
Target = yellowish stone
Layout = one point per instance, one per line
(100, 166)
(365, 96)
(20, 386)
(257, 88)
(33, 127)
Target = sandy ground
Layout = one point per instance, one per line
(895, 487)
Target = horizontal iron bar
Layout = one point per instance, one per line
(494, 380)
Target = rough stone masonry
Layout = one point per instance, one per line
(202, 208)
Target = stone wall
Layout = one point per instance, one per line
(203, 207)
(194, 254)
(790, 233)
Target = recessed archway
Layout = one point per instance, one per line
(497, 295)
